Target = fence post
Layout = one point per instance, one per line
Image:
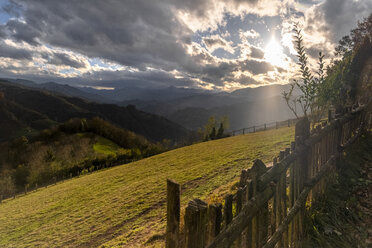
(276, 125)
(265, 126)
(215, 220)
(258, 228)
(196, 221)
(173, 214)
(254, 129)
(26, 189)
(302, 132)
(239, 206)
(228, 209)
(288, 123)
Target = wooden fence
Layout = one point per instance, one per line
(269, 206)
(263, 127)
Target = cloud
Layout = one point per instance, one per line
(165, 42)
(256, 67)
(66, 59)
(257, 52)
(215, 42)
(7, 51)
(335, 18)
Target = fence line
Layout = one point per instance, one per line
(270, 202)
(263, 127)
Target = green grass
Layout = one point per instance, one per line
(125, 205)
(105, 146)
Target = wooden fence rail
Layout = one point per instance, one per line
(263, 127)
(270, 202)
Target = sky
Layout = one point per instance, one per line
(219, 45)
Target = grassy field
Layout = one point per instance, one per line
(125, 206)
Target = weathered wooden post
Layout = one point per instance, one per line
(214, 222)
(302, 132)
(227, 210)
(196, 222)
(239, 206)
(258, 228)
(265, 126)
(26, 189)
(254, 129)
(173, 214)
(276, 125)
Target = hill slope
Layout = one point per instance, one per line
(125, 205)
(57, 108)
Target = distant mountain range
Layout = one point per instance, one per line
(190, 108)
(24, 110)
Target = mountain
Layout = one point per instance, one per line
(144, 94)
(63, 89)
(190, 108)
(51, 108)
(244, 107)
(240, 115)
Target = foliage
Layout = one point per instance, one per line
(309, 86)
(356, 37)
(214, 129)
(346, 82)
(75, 147)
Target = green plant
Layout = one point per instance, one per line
(308, 85)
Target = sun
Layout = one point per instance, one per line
(274, 54)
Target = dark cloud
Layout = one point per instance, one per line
(133, 33)
(256, 67)
(23, 32)
(337, 17)
(14, 53)
(65, 59)
(217, 74)
(314, 50)
(246, 80)
(2, 32)
(257, 53)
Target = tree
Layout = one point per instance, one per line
(349, 80)
(220, 131)
(212, 135)
(356, 37)
(308, 85)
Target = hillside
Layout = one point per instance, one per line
(54, 108)
(124, 206)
